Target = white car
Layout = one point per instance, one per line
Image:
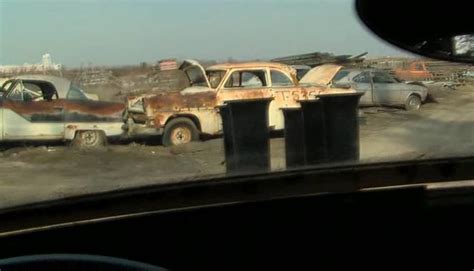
(38, 108)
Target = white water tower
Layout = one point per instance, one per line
(47, 62)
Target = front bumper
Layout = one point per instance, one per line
(140, 130)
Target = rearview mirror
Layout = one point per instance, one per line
(441, 31)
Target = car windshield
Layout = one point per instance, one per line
(187, 91)
(75, 93)
(215, 77)
(341, 74)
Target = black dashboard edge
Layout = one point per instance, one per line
(227, 190)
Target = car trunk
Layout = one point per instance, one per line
(321, 75)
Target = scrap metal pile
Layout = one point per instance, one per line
(317, 58)
(443, 70)
(412, 69)
(97, 77)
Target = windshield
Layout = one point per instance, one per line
(341, 74)
(75, 93)
(215, 77)
(228, 111)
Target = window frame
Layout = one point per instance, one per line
(8, 93)
(232, 70)
(78, 90)
(293, 84)
(385, 74)
(360, 75)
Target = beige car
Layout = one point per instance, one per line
(181, 116)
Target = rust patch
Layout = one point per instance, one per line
(177, 101)
(80, 110)
(159, 120)
(97, 108)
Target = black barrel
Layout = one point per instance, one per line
(324, 130)
(294, 137)
(246, 135)
(314, 129)
(342, 126)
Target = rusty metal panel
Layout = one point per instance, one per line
(46, 119)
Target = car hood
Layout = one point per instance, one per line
(193, 64)
(321, 74)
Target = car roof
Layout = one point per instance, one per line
(253, 64)
(362, 70)
(62, 85)
(300, 67)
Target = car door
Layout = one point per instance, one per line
(285, 94)
(32, 113)
(79, 108)
(363, 82)
(386, 89)
(245, 84)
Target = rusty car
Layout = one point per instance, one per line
(44, 108)
(182, 116)
(382, 89)
(414, 71)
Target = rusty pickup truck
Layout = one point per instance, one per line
(181, 116)
(44, 108)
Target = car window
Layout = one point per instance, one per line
(362, 78)
(381, 77)
(7, 85)
(16, 93)
(215, 77)
(32, 92)
(280, 79)
(75, 93)
(246, 79)
(38, 90)
(340, 74)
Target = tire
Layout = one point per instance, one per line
(413, 103)
(89, 139)
(179, 131)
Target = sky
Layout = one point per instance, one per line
(123, 32)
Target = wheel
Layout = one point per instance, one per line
(89, 139)
(413, 103)
(179, 131)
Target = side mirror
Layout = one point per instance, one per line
(422, 27)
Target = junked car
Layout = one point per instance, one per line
(41, 108)
(181, 116)
(382, 89)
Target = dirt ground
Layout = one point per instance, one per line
(37, 173)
